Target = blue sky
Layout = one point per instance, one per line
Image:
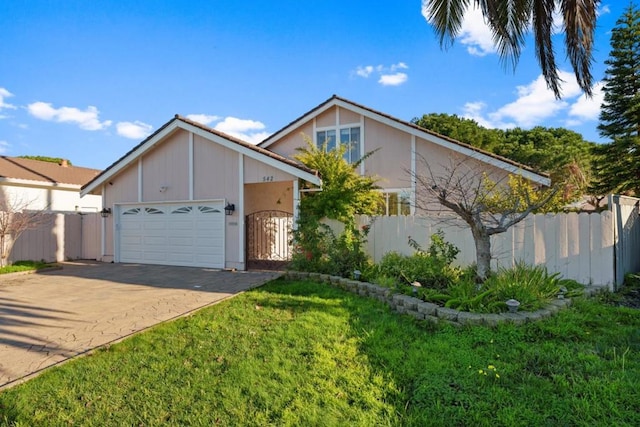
(88, 80)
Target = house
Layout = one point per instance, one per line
(41, 185)
(190, 195)
(400, 149)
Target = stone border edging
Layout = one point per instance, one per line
(422, 310)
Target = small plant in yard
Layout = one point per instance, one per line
(432, 268)
(489, 373)
(324, 252)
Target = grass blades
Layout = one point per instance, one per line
(302, 353)
(19, 266)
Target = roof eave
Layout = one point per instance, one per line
(242, 147)
(36, 183)
(458, 146)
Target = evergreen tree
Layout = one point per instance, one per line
(620, 113)
(618, 167)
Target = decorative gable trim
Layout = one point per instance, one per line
(257, 153)
(416, 131)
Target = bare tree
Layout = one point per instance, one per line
(15, 218)
(488, 206)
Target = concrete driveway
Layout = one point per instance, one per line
(48, 318)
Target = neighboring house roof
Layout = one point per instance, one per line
(19, 170)
(466, 149)
(180, 122)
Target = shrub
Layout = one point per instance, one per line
(323, 252)
(532, 286)
(432, 268)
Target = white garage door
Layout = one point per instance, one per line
(172, 234)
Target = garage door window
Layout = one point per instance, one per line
(182, 210)
(208, 209)
(134, 211)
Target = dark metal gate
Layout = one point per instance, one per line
(269, 235)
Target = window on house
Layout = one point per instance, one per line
(328, 137)
(349, 137)
(395, 203)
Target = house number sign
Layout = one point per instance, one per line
(267, 178)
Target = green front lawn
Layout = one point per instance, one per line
(19, 266)
(302, 353)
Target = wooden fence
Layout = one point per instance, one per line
(61, 237)
(592, 248)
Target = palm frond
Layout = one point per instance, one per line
(542, 21)
(446, 18)
(580, 22)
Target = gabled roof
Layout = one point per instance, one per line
(413, 129)
(16, 169)
(180, 122)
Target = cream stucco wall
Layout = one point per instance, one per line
(286, 146)
(215, 171)
(327, 118)
(268, 196)
(392, 160)
(348, 117)
(165, 170)
(258, 172)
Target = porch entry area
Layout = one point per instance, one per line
(269, 235)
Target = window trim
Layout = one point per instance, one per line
(337, 128)
(398, 191)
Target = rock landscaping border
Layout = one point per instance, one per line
(421, 310)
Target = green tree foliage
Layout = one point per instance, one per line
(57, 160)
(462, 129)
(344, 192)
(511, 20)
(344, 195)
(620, 112)
(562, 153)
(618, 167)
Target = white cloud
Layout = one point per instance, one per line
(387, 75)
(476, 111)
(133, 130)
(3, 104)
(87, 119)
(247, 130)
(474, 32)
(535, 103)
(399, 66)
(364, 71)
(604, 10)
(205, 119)
(393, 79)
(251, 131)
(4, 146)
(586, 109)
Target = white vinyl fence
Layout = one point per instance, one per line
(592, 248)
(627, 235)
(60, 237)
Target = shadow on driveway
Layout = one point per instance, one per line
(50, 317)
